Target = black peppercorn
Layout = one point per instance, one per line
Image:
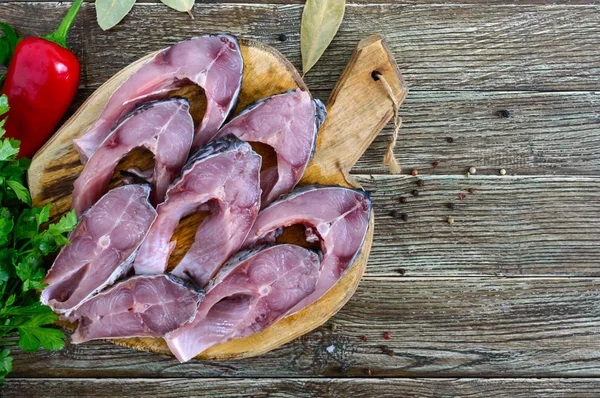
(415, 192)
(394, 213)
(504, 113)
(450, 206)
(403, 199)
(450, 140)
(421, 183)
(282, 37)
(386, 350)
(404, 217)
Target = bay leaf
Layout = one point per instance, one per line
(180, 5)
(321, 20)
(111, 12)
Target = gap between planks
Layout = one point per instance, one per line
(299, 387)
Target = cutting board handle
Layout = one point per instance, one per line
(357, 110)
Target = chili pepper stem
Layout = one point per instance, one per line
(59, 36)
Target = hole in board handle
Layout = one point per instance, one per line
(375, 75)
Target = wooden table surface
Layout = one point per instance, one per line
(504, 302)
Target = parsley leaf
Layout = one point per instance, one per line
(7, 150)
(8, 42)
(5, 362)
(19, 190)
(66, 224)
(31, 335)
(43, 216)
(4, 105)
(6, 226)
(24, 245)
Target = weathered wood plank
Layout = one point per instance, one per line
(545, 133)
(510, 225)
(441, 327)
(442, 47)
(392, 388)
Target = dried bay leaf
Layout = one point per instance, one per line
(180, 5)
(111, 12)
(321, 20)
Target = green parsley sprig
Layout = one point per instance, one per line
(24, 246)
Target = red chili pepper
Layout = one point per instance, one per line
(40, 84)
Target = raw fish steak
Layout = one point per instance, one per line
(251, 292)
(212, 62)
(337, 217)
(163, 127)
(223, 178)
(288, 123)
(102, 247)
(142, 306)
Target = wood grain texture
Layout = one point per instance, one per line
(357, 110)
(437, 47)
(512, 225)
(440, 47)
(443, 327)
(545, 133)
(237, 388)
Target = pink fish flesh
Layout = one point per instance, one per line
(102, 247)
(212, 62)
(222, 177)
(142, 306)
(251, 292)
(163, 127)
(337, 216)
(288, 123)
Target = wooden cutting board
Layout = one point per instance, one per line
(358, 108)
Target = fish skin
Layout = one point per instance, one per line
(288, 123)
(213, 62)
(253, 290)
(339, 217)
(103, 245)
(222, 177)
(141, 306)
(164, 127)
